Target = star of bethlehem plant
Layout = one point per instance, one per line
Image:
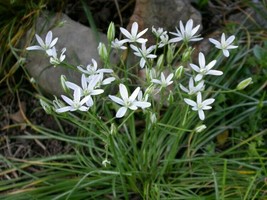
(163, 80)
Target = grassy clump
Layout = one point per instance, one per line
(163, 160)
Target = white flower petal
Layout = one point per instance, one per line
(201, 114)
(116, 99)
(123, 92)
(63, 109)
(40, 41)
(134, 94)
(190, 102)
(214, 72)
(121, 112)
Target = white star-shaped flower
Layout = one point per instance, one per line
(88, 87)
(54, 60)
(133, 36)
(91, 69)
(225, 44)
(128, 102)
(118, 44)
(76, 104)
(44, 45)
(200, 105)
(186, 33)
(144, 53)
(193, 89)
(164, 82)
(164, 40)
(204, 69)
(158, 32)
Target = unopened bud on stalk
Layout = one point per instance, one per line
(170, 98)
(200, 128)
(170, 54)
(153, 118)
(179, 72)
(63, 80)
(102, 51)
(47, 108)
(160, 61)
(113, 129)
(187, 54)
(111, 32)
(243, 84)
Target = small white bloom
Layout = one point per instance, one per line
(133, 36)
(186, 33)
(225, 44)
(193, 89)
(204, 69)
(164, 40)
(88, 87)
(142, 100)
(54, 60)
(126, 101)
(158, 32)
(118, 44)
(91, 69)
(144, 53)
(76, 104)
(200, 105)
(44, 45)
(105, 81)
(164, 82)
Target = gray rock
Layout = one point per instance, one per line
(163, 13)
(81, 44)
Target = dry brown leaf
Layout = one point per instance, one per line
(18, 117)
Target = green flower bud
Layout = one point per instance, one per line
(113, 129)
(243, 84)
(170, 98)
(160, 61)
(63, 80)
(102, 51)
(179, 72)
(200, 128)
(187, 54)
(170, 54)
(47, 108)
(111, 32)
(153, 118)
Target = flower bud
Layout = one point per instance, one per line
(63, 80)
(200, 128)
(170, 98)
(111, 32)
(160, 61)
(243, 84)
(187, 54)
(153, 118)
(47, 108)
(102, 51)
(113, 129)
(179, 72)
(32, 80)
(170, 54)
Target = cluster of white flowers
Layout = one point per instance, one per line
(49, 47)
(185, 34)
(93, 78)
